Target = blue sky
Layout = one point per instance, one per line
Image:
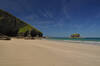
(58, 18)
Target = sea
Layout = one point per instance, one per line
(93, 41)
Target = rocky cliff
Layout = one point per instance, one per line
(12, 26)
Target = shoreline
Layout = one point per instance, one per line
(77, 41)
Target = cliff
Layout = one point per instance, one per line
(12, 26)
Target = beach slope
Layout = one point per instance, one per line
(47, 53)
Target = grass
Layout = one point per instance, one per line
(24, 29)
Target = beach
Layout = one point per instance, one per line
(20, 52)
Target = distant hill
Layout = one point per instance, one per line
(12, 26)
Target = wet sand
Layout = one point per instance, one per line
(47, 53)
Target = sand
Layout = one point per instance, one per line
(19, 52)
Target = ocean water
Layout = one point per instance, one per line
(94, 41)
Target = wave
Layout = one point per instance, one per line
(85, 42)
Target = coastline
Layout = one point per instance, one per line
(68, 40)
(20, 52)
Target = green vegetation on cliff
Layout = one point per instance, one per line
(12, 26)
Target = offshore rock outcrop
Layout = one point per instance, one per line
(76, 35)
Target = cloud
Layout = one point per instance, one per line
(66, 9)
(46, 13)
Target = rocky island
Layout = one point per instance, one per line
(75, 35)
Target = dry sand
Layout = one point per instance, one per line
(47, 53)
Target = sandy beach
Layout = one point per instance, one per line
(19, 52)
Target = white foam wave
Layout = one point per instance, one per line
(85, 42)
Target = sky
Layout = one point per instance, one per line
(58, 18)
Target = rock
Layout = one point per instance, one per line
(76, 35)
(4, 37)
(12, 26)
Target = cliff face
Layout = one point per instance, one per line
(12, 26)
